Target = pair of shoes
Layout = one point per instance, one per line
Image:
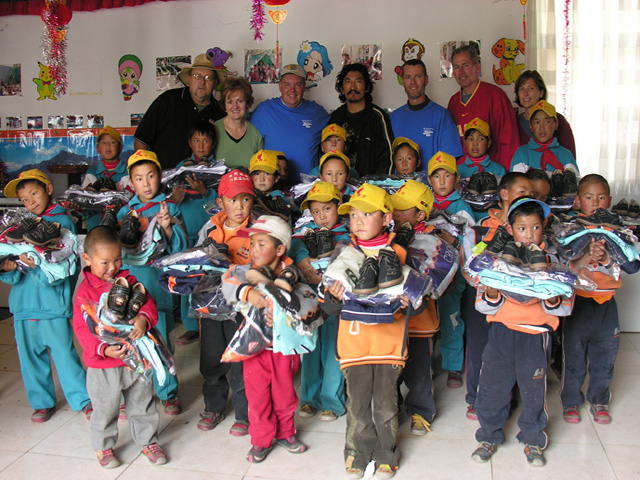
(404, 235)
(172, 406)
(534, 456)
(102, 185)
(563, 184)
(319, 244)
(287, 280)
(87, 410)
(239, 429)
(130, 230)
(107, 458)
(621, 208)
(155, 454)
(42, 414)
(26, 225)
(600, 413)
(601, 217)
(124, 301)
(292, 444)
(634, 209)
(484, 451)
(43, 233)
(386, 471)
(571, 414)
(122, 414)
(382, 272)
(188, 338)
(419, 426)
(109, 217)
(482, 183)
(209, 421)
(454, 379)
(258, 454)
(307, 411)
(557, 182)
(471, 412)
(328, 416)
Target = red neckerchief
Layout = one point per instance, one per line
(477, 162)
(110, 168)
(48, 211)
(380, 241)
(149, 205)
(441, 202)
(548, 157)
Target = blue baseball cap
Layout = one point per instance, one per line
(522, 200)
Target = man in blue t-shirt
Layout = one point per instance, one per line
(422, 120)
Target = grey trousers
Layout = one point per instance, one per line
(106, 387)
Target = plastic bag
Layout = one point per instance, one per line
(211, 303)
(429, 255)
(253, 336)
(152, 245)
(93, 201)
(209, 174)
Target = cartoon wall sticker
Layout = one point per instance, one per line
(219, 58)
(314, 59)
(130, 70)
(412, 49)
(44, 83)
(507, 49)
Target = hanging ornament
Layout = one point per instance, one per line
(524, 19)
(56, 15)
(277, 16)
(257, 20)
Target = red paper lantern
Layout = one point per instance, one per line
(276, 3)
(62, 12)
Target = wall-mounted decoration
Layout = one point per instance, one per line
(130, 70)
(45, 83)
(411, 49)
(314, 59)
(55, 122)
(167, 70)
(95, 121)
(277, 16)
(260, 66)
(446, 49)
(369, 55)
(507, 49)
(74, 121)
(34, 123)
(14, 123)
(219, 57)
(56, 15)
(136, 118)
(10, 80)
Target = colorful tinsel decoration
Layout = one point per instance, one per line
(56, 15)
(257, 20)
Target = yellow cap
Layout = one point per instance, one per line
(321, 192)
(413, 194)
(33, 174)
(334, 129)
(479, 125)
(368, 198)
(399, 141)
(442, 160)
(141, 155)
(546, 107)
(109, 131)
(335, 154)
(265, 161)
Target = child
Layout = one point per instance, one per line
(321, 382)
(443, 177)
(235, 197)
(334, 137)
(268, 376)
(191, 200)
(477, 141)
(265, 173)
(283, 170)
(543, 150)
(334, 168)
(41, 312)
(592, 332)
(145, 174)
(406, 156)
(540, 182)
(517, 350)
(413, 204)
(107, 376)
(371, 356)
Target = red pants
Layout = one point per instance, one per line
(268, 380)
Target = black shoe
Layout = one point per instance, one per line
(389, 269)
(288, 279)
(489, 183)
(535, 258)
(118, 298)
(326, 242)
(137, 298)
(222, 248)
(277, 205)
(262, 274)
(311, 242)
(26, 225)
(474, 187)
(621, 208)
(634, 209)
(130, 233)
(43, 234)
(557, 184)
(404, 235)
(368, 279)
(499, 240)
(97, 185)
(109, 218)
(108, 185)
(514, 253)
(569, 184)
(601, 217)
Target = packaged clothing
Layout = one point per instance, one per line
(210, 174)
(431, 256)
(153, 244)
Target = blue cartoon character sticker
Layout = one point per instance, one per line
(129, 69)
(314, 59)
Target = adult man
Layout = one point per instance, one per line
(422, 120)
(485, 101)
(290, 124)
(369, 133)
(165, 127)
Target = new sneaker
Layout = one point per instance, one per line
(454, 379)
(107, 458)
(307, 411)
(292, 444)
(109, 218)
(471, 413)
(44, 234)
(621, 208)
(534, 456)
(26, 225)
(288, 279)
(474, 187)
(386, 471)
(42, 415)
(326, 242)
(601, 217)
(419, 426)
(239, 429)
(262, 274)
(535, 258)
(489, 183)
(155, 454)
(172, 406)
(600, 414)
(484, 451)
(404, 235)
(499, 240)
(328, 416)
(137, 299)
(368, 280)
(571, 414)
(557, 182)
(513, 253)
(389, 268)
(87, 410)
(634, 209)
(310, 240)
(130, 233)
(257, 454)
(209, 421)
(569, 184)
(118, 297)
(108, 185)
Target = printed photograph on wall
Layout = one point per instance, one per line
(446, 49)
(75, 121)
(95, 121)
(55, 122)
(136, 118)
(10, 80)
(314, 60)
(130, 70)
(260, 66)
(506, 50)
(411, 50)
(370, 55)
(14, 123)
(34, 123)
(167, 70)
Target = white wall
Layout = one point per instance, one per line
(98, 39)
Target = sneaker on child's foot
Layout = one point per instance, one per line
(187, 338)
(419, 426)
(209, 421)
(454, 379)
(155, 454)
(352, 472)
(87, 410)
(107, 458)
(571, 414)
(534, 456)
(386, 471)
(600, 414)
(328, 416)
(471, 413)
(484, 451)
(42, 414)
(239, 429)
(172, 406)
(307, 411)
(292, 444)
(257, 454)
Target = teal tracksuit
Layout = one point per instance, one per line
(100, 171)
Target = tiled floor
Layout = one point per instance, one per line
(60, 448)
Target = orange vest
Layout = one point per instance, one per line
(238, 246)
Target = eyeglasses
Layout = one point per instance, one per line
(198, 77)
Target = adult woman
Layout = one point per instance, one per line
(530, 88)
(238, 140)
